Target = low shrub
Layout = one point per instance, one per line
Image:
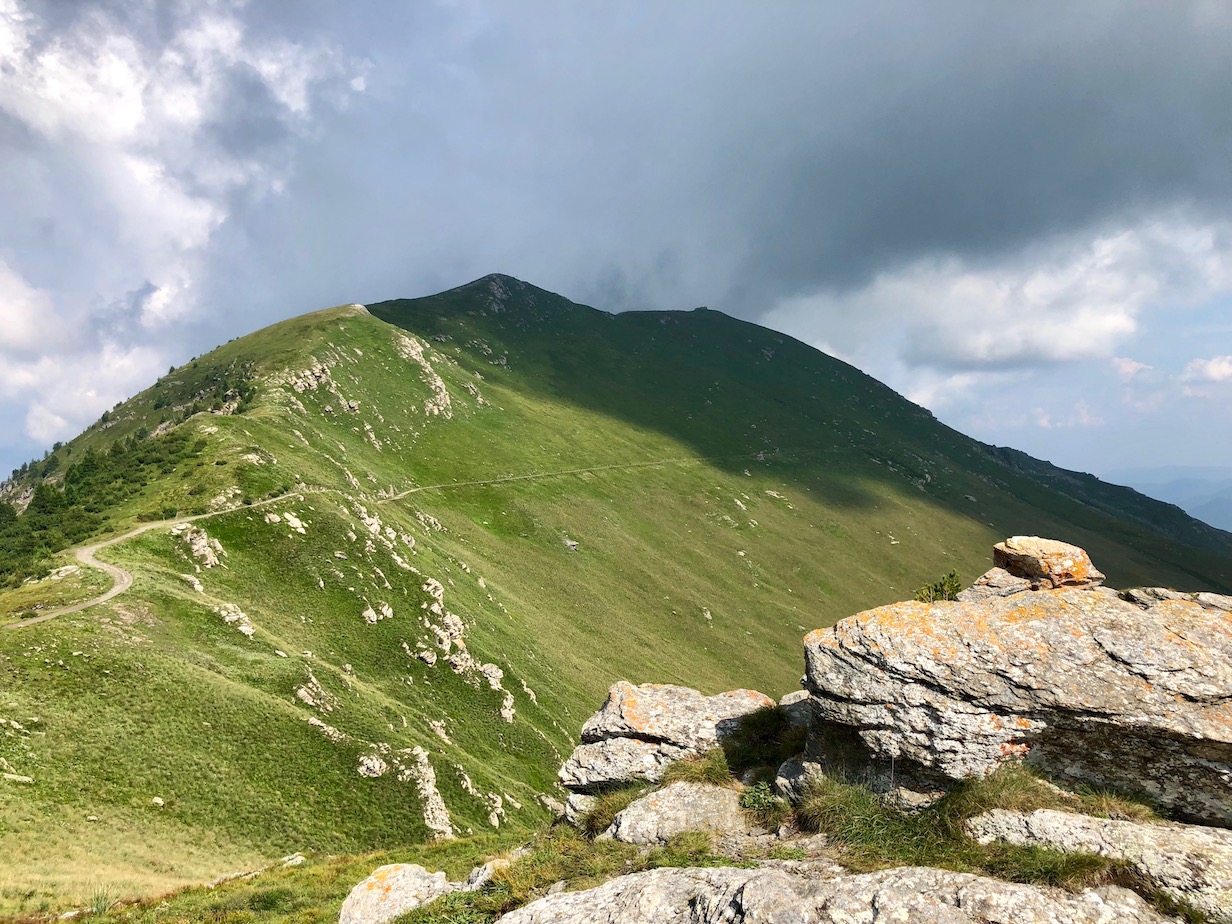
(947, 587)
(764, 806)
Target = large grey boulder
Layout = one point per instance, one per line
(776, 896)
(1092, 688)
(641, 729)
(657, 817)
(1187, 862)
(673, 715)
(392, 891)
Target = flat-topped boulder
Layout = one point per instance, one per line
(1046, 562)
(641, 729)
(1092, 688)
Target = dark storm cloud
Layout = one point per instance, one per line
(665, 154)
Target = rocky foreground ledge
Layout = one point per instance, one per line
(1035, 663)
(1038, 662)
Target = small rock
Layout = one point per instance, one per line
(482, 875)
(795, 706)
(674, 715)
(791, 777)
(994, 583)
(157, 801)
(577, 806)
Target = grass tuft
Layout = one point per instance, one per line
(101, 901)
(764, 738)
(873, 835)
(710, 767)
(607, 806)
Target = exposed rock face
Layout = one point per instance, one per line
(994, 583)
(795, 706)
(769, 896)
(1092, 688)
(1189, 863)
(392, 891)
(1046, 562)
(673, 715)
(641, 729)
(594, 766)
(659, 816)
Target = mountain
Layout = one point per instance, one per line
(1204, 492)
(379, 555)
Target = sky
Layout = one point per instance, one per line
(1017, 215)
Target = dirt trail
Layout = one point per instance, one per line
(122, 579)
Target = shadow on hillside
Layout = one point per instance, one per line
(746, 398)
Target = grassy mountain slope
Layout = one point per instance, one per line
(443, 527)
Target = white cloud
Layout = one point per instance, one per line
(1127, 368)
(26, 313)
(133, 182)
(1215, 369)
(1081, 415)
(1067, 302)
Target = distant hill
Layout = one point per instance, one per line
(1204, 492)
(426, 531)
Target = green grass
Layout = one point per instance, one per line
(871, 834)
(710, 767)
(723, 504)
(38, 595)
(763, 740)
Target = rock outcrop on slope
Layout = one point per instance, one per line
(1189, 863)
(766, 896)
(679, 807)
(641, 729)
(1036, 662)
(1092, 688)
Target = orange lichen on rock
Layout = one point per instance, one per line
(1046, 562)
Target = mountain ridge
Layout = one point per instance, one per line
(435, 528)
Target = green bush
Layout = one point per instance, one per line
(764, 806)
(947, 587)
